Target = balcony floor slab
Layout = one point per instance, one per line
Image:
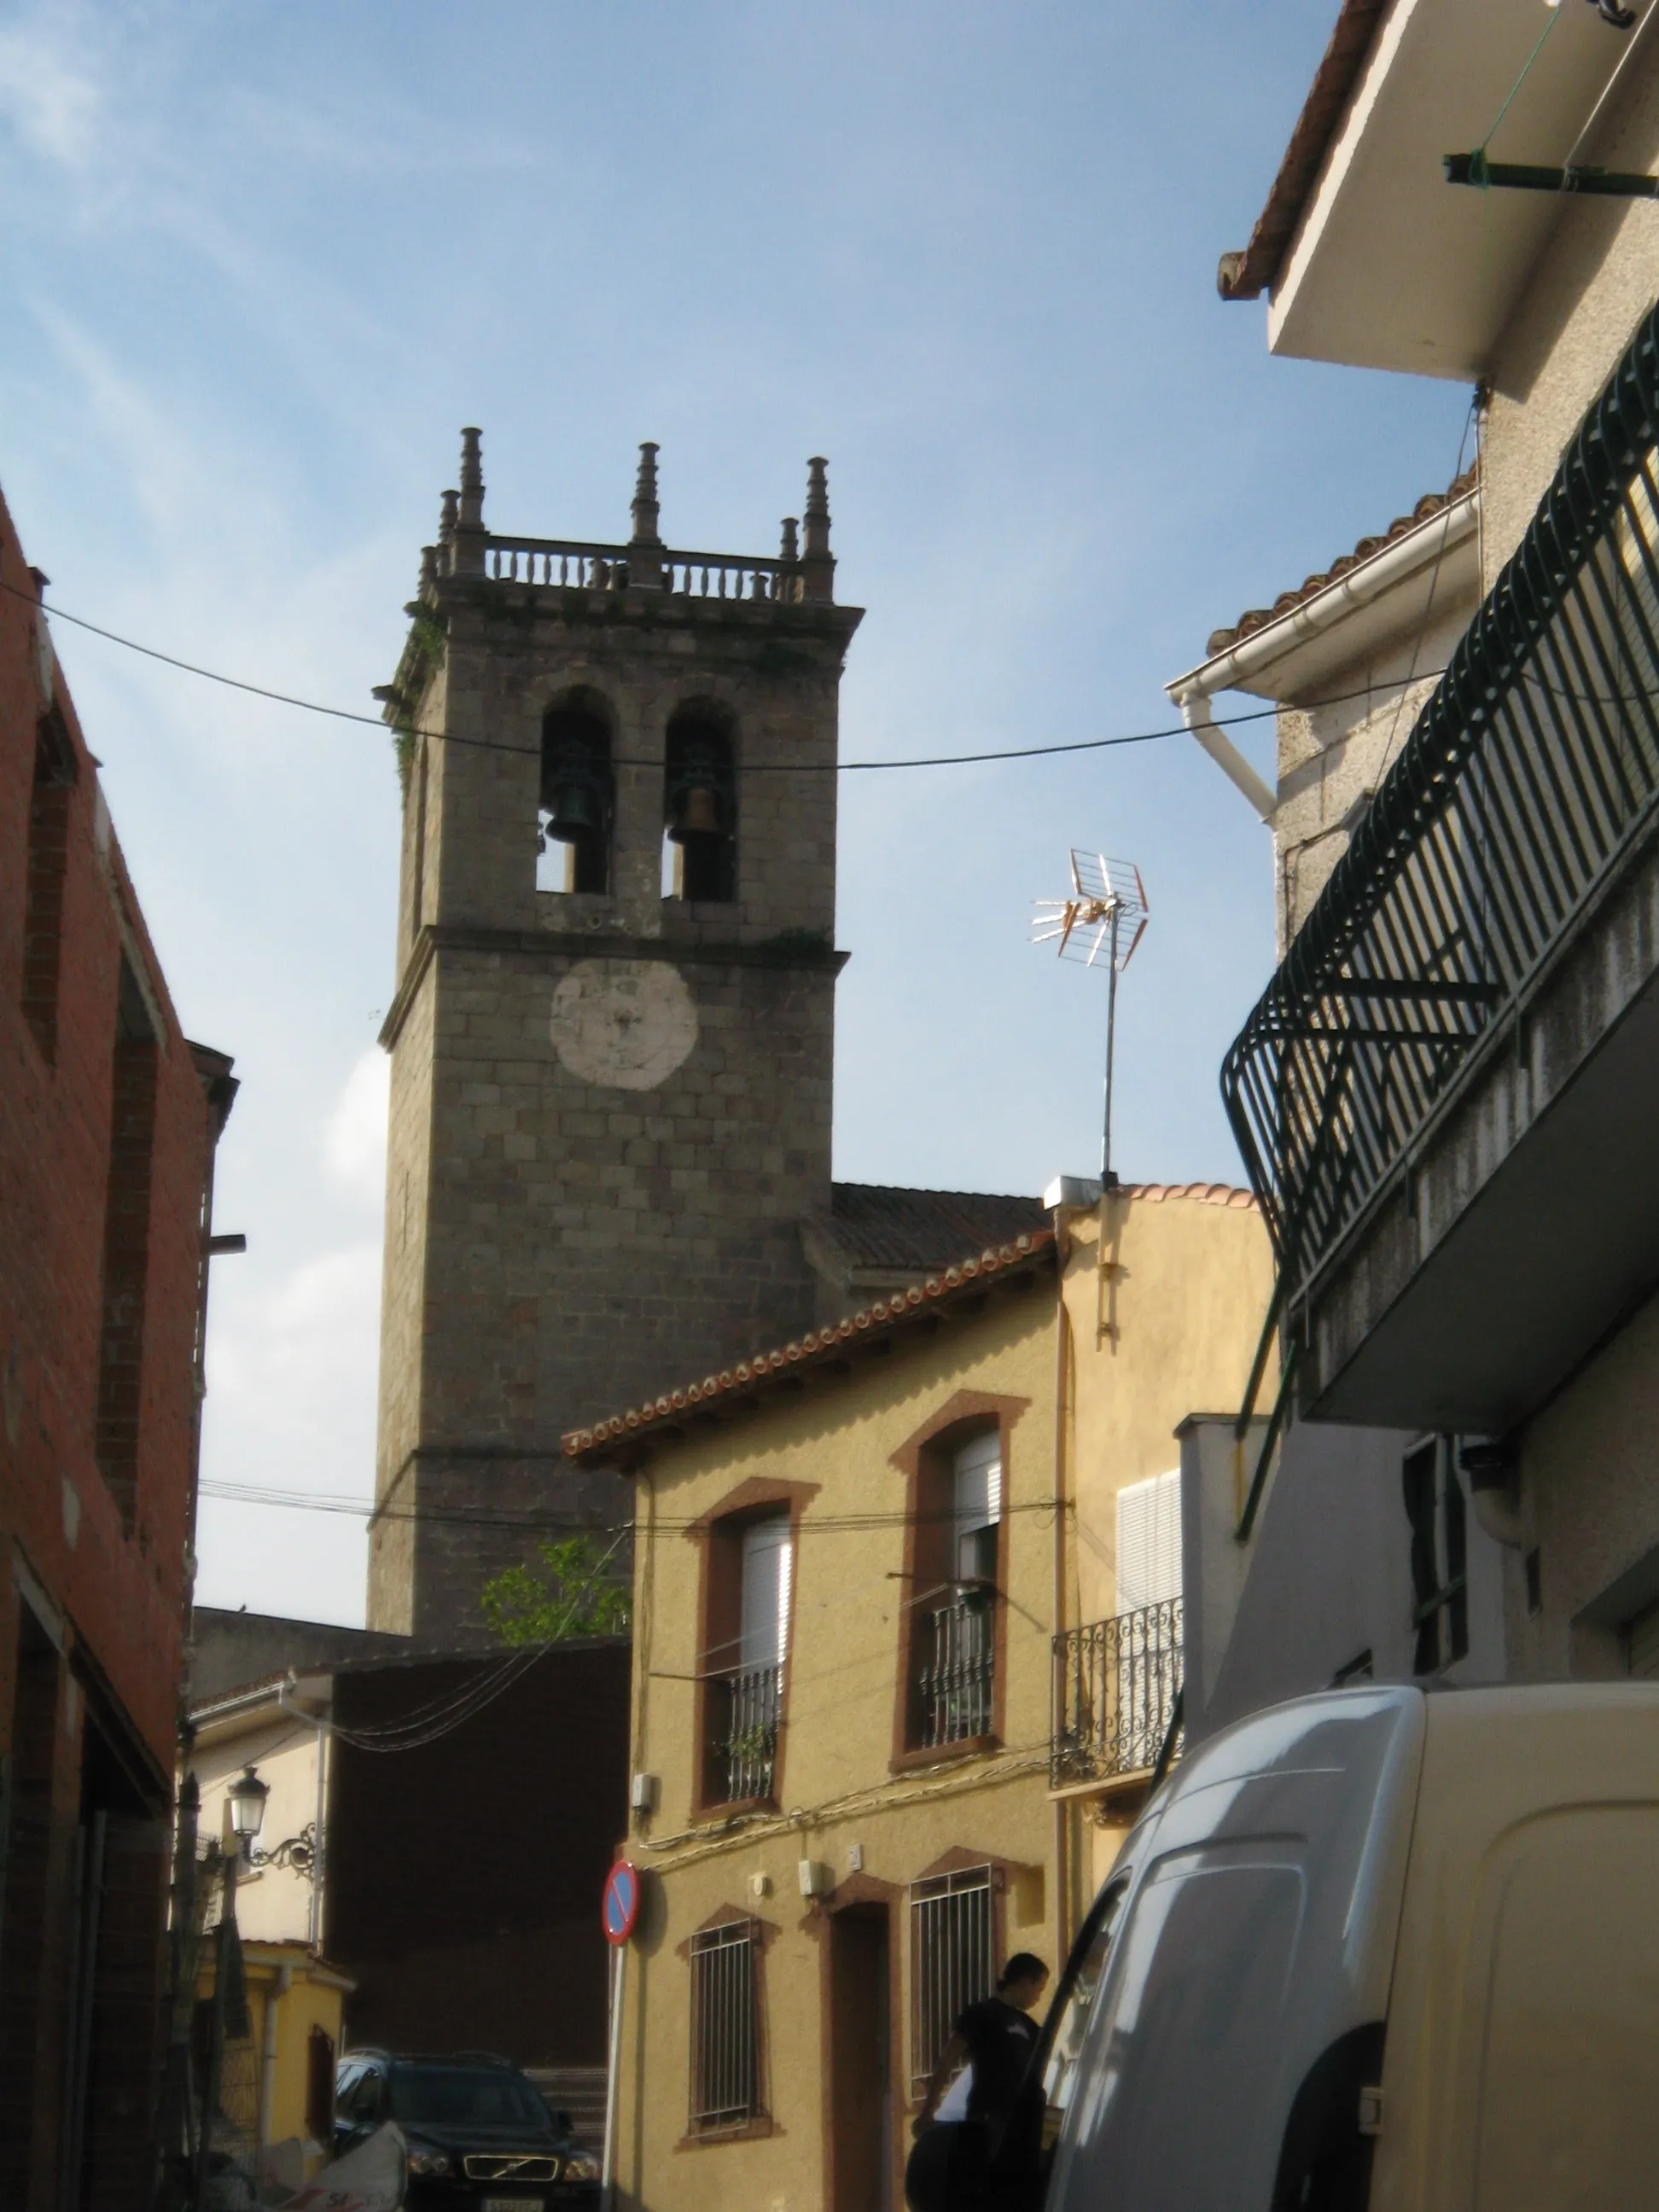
(1546, 1251)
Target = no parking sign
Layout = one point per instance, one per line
(621, 1907)
(619, 1911)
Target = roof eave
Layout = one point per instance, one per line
(1266, 662)
(623, 1443)
(1247, 275)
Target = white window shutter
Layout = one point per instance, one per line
(1149, 1541)
(766, 1570)
(977, 1483)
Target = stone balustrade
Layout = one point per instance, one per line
(573, 564)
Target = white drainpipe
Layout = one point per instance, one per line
(1196, 713)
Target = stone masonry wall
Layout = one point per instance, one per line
(1591, 286)
(1333, 758)
(610, 1113)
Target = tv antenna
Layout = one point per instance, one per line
(1100, 924)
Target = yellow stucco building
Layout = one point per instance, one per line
(278, 2088)
(857, 1789)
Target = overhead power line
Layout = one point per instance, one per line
(532, 1524)
(749, 767)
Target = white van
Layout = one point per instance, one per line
(1377, 1948)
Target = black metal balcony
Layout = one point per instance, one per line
(1525, 789)
(1117, 1682)
(746, 1729)
(957, 1675)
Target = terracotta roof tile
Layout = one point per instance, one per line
(814, 1347)
(1427, 507)
(1207, 1194)
(1246, 275)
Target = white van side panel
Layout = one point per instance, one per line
(1259, 1930)
(1522, 2069)
(1569, 2071)
(1207, 1965)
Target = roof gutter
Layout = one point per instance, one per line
(1241, 666)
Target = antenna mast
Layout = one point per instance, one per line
(1100, 924)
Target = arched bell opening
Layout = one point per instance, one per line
(578, 797)
(700, 806)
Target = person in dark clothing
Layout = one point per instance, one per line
(952, 2167)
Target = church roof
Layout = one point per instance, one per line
(883, 1225)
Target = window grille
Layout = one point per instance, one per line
(746, 1702)
(748, 1739)
(956, 1679)
(951, 1943)
(725, 2028)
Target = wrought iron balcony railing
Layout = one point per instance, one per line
(957, 1675)
(1117, 1682)
(1527, 775)
(746, 1731)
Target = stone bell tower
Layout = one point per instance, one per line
(612, 1033)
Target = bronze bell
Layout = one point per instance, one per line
(572, 808)
(696, 813)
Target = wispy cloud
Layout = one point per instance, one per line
(51, 103)
(354, 1143)
(291, 1376)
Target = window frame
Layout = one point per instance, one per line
(975, 1876)
(1436, 1519)
(49, 822)
(718, 1534)
(120, 1427)
(726, 1931)
(927, 1460)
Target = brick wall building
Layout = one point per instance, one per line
(108, 1121)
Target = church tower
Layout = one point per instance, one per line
(612, 1033)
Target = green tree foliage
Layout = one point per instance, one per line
(567, 1594)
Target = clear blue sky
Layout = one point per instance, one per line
(260, 265)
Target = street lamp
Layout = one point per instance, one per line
(246, 1798)
(247, 1795)
(247, 1807)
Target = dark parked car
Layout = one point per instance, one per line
(480, 2136)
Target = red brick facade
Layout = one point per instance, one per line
(108, 1120)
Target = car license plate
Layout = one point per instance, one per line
(513, 2204)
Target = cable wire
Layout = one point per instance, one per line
(532, 1524)
(749, 767)
(426, 1724)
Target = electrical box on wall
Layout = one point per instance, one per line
(817, 1880)
(642, 1793)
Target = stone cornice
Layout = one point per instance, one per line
(791, 951)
